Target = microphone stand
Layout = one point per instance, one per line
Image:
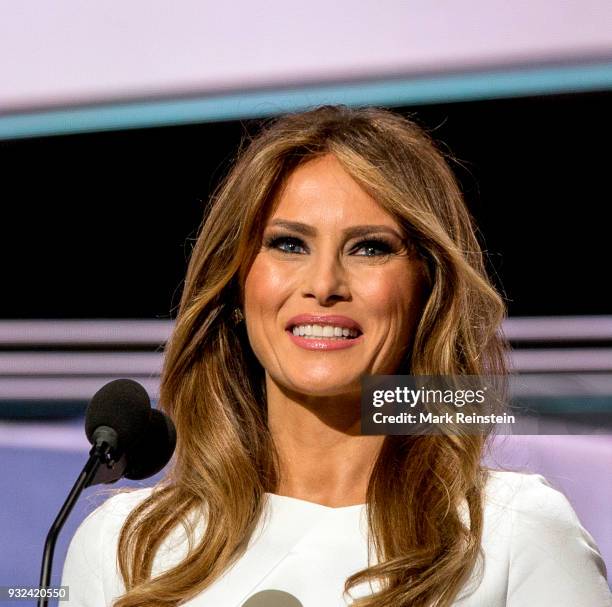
(101, 467)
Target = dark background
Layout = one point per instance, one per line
(101, 225)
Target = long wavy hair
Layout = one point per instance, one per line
(213, 386)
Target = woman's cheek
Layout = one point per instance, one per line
(265, 280)
(382, 291)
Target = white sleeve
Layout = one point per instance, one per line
(90, 569)
(553, 559)
(83, 568)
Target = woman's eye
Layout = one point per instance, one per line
(372, 248)
(292, 245)
(286, 244)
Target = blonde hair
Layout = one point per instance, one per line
(212, 385)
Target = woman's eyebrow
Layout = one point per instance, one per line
(351, 232)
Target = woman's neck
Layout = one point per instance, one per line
(323, 457)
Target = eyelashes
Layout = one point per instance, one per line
(286, 244)
(367, 247)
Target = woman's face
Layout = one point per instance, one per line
(334, 292)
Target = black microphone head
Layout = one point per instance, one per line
(123, 405)
(153, 449)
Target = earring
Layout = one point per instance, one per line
(237, 316)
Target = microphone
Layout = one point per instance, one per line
(128, 439)
(117, 417)
(272, 598)
(123, 406)
(153, 450)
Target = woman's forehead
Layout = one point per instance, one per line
(321, 192)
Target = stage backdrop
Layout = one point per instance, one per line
(69, 52)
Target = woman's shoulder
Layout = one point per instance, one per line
(530, 505)
(529, 499)
(113, 511)
(525, 491)
(121, 503)
(90, 568)
(532, 527)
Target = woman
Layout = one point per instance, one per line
(339, 246)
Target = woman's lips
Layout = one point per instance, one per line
(323, 319)
(323, 343)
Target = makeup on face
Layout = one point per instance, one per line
(334, 292)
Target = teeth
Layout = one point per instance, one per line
(323, 331)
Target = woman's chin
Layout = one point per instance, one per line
(325, 387)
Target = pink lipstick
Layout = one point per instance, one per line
(317, 334)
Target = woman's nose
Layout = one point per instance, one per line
(326, 280)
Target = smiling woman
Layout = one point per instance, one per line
(342, 239)
(319, 273)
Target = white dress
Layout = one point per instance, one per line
(536, 553)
